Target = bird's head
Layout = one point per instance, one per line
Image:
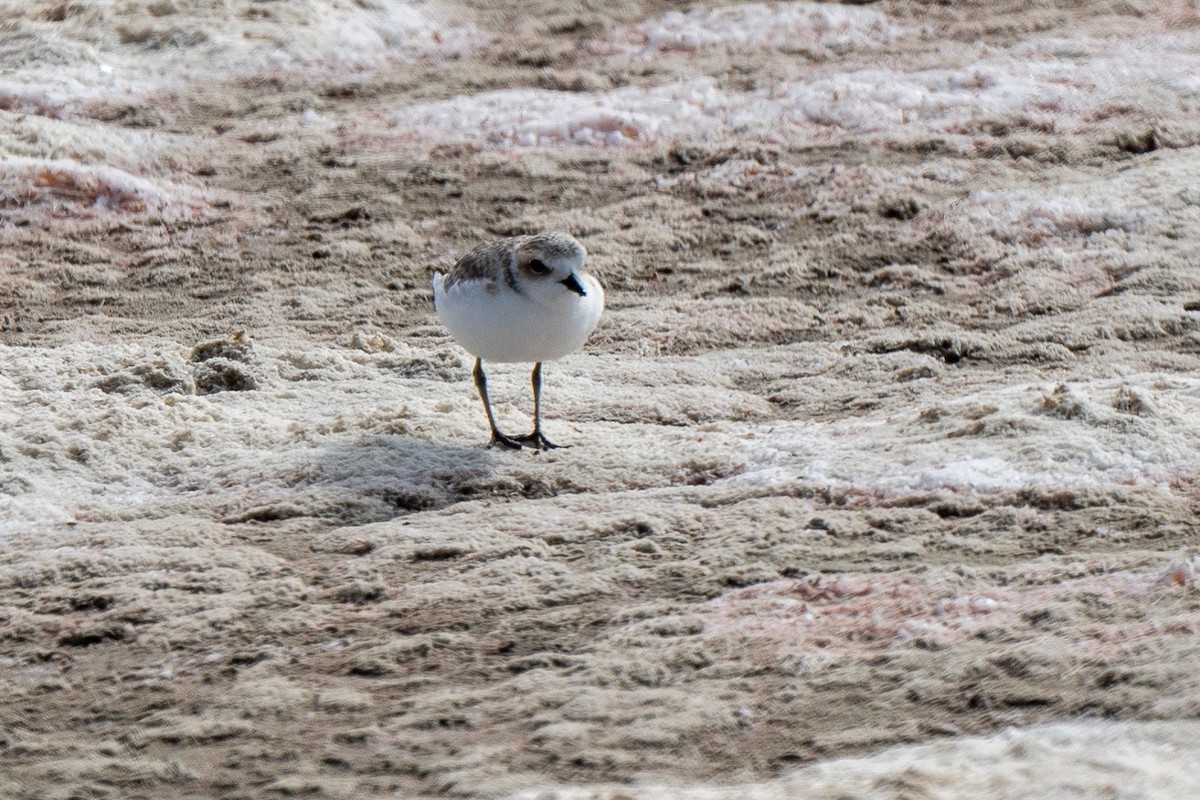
(548, 266)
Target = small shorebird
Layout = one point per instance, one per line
(521, 299)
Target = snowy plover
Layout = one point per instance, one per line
(519, 299)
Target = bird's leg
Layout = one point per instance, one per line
(498, 438)
(536, 439)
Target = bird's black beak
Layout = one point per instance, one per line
(572, 283)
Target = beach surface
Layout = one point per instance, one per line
(882, 477)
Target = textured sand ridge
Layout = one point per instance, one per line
(883, 469)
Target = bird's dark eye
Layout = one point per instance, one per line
(538, 267)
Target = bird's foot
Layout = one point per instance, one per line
(505, 441)
(539, 442)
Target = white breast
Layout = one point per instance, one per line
(494, 323)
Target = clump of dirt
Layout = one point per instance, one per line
(226, 365)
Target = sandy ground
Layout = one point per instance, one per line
(883, 476)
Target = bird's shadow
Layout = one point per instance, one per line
(373, 479)
(399, 474)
